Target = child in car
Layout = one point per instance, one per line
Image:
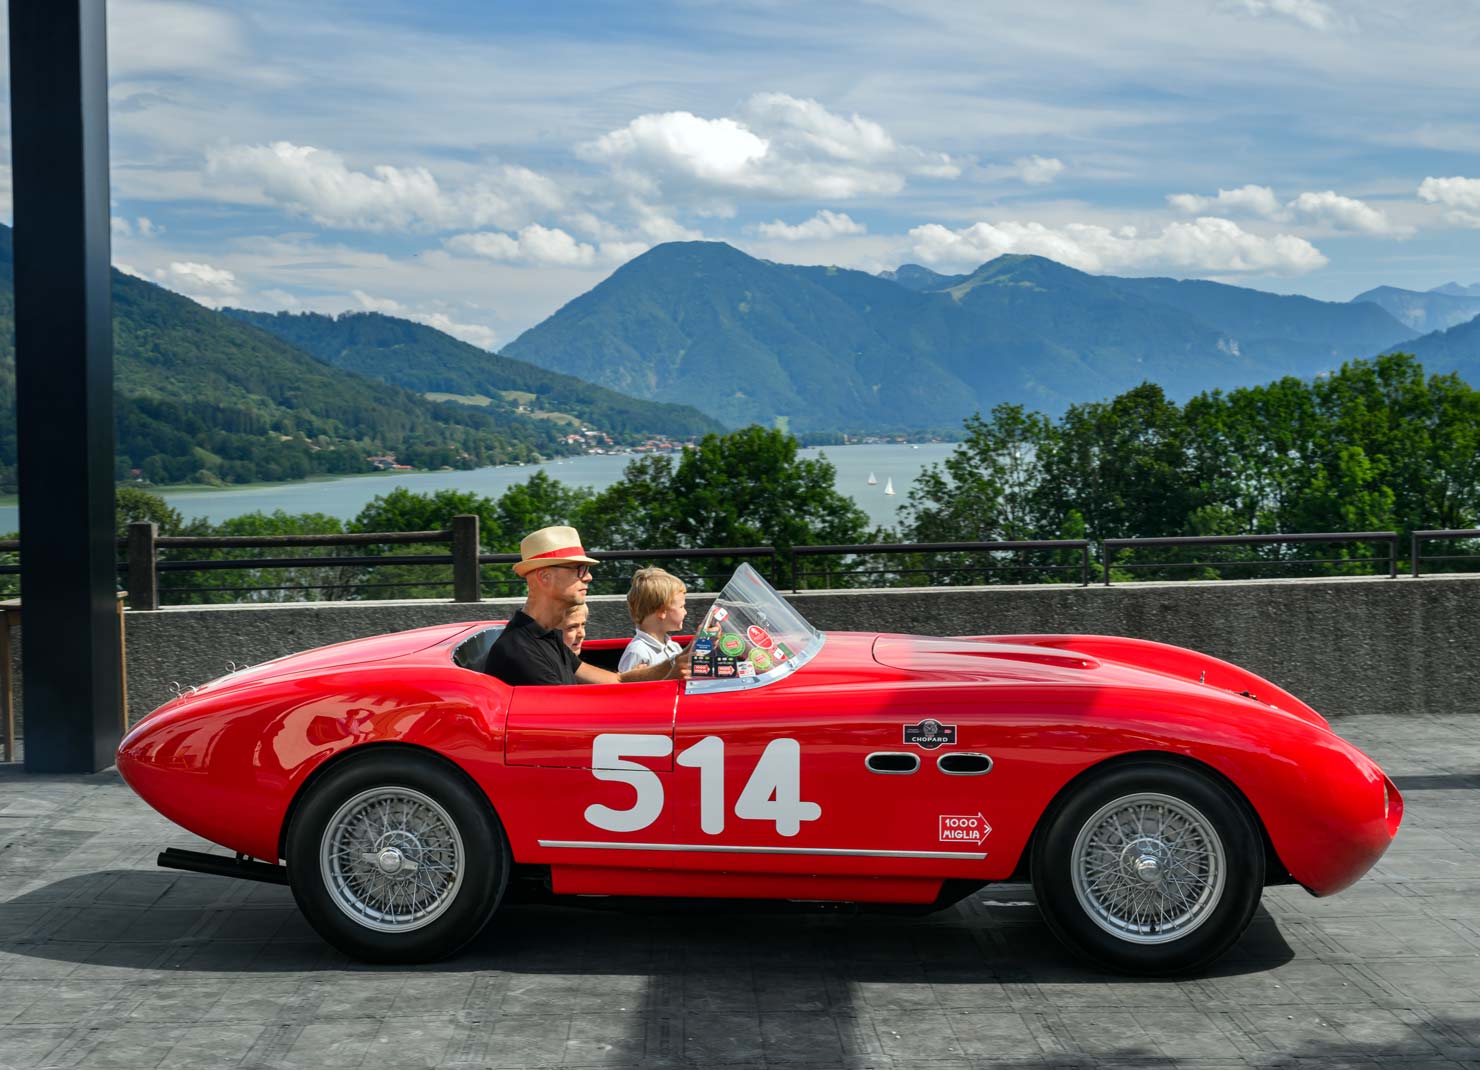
(656, 605)
(573, 627)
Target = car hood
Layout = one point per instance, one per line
(1069, 657)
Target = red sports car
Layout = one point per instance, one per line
(1148, 792)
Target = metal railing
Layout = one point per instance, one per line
(798, 553)
(149, 555)
(1417, 556)
(1110, 546)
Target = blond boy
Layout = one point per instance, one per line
(656, 605)
(573, 627)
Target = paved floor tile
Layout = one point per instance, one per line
(106, 960)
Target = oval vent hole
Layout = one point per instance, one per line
(964, 764)
(890, 762)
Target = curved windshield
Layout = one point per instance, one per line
(749, 637)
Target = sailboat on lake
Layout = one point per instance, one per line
(889, 486)
(871, 480)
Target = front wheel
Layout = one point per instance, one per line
(395, 857)
(1150, 868)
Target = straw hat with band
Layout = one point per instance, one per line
(551, 546)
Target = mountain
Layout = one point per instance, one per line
(832, 349)
(915, 277)
(204, 398)
(1456, 349)
(1433, 310)
(426, 360)
(1280, 328)
(1454, 289)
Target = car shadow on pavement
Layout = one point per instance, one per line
(168, 920)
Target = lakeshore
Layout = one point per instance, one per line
(345, 496)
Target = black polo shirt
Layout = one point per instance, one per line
(528, 654)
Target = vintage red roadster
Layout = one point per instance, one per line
(1148, 792)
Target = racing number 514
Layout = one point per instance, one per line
(773, 792)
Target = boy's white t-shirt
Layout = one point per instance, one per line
(645, 649)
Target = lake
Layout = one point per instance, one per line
(345, 497)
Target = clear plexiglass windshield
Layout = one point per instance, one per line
(750, 636)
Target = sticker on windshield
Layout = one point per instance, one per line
(731, 644)
(724, 667)
(929, 734)
(720, 612)
(745, 668)
(761, 660)
(759, 636)
(780, 652)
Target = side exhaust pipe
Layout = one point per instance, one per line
(240, 867)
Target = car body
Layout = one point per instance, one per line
(1148, 791)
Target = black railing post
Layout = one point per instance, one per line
(1084, 565)
(465, 581)
(143, 578)
(794, 587)
(1413, 556)
(1393, 557)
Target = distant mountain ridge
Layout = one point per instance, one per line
(1425, 311)
(203, 398)
(1455, 349)
(426, 360)
(825, 348)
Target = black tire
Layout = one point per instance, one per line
(449, 855)
(1126, 832)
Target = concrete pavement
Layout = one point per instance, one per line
(106, 960)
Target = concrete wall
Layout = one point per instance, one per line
(1346, 646)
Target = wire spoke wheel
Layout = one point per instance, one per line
(392, 859)
(1148, 868)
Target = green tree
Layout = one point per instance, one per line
(131, 504)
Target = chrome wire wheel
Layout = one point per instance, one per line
(392, 859)
(1148, 868)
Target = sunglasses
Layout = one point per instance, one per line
(583, 572)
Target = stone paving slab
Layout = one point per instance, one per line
(108, 961)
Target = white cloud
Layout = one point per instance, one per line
(211, 286)
(823, 225)
(1460, 195)
(1325, 208)
(1205, 245)
(806, 122)
(545, 246)
(541, 246)
(476, 334)
(1037, 170)
(141, 227)
(1313, 13)
(1246, 200)
(712, 150)
(779, 146)
(170, 37)
(388, 305)
(317, 183)
(1344, 213)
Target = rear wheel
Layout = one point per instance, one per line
(395, 857)
(1151, 868)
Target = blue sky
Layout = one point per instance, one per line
(477, 165)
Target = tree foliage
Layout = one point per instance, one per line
(1374, 446)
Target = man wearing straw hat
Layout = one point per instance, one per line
(530, 650)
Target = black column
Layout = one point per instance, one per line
(64, 383)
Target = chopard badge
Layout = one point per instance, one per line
(929, 733)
